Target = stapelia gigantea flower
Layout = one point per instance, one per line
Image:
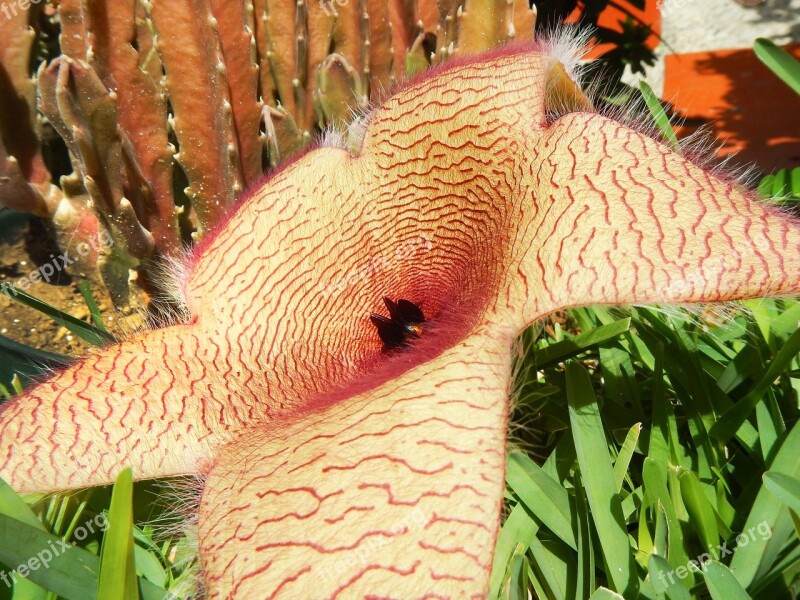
(487, 190)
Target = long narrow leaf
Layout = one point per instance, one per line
(659, 115)
(518, 527)
(729, 423)
(91, 304)
(767, 512)
(700, 509)
(598, 476)
(780, 62)
(722, 584)
(85, 331)
(33, 354)
(785, 488)
(70, 572)
(545, 498)
(47, 561)
(563, 350)
(625, 454)
(117, 567)
(14, 506)
(605, 594)
(666, 581)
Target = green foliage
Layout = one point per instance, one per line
(659, 115)
(779, 61)
(86, 331)
(58, 540)
(637, 486)
(784, 185)
(19, 363)
(117, 578)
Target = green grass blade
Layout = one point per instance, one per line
(585, 580)
(117, 567)
(666, 581)
(514, 585)
(780, 574)
(767, 511)
(554, 566)
(770, 426)
(780, 62)
(793, 183)
(782, 186)
(149, 566)
(658, 450)
(94, 310)
(544, 497)
(560, 351)
(33, 354)
(625, 454)
(659, 115)
(519, 528)
(538, 587)
(785, 488)
(15, 507)
(658, 495)
(598, 476)
(18, 361)
(765, 186)
(722, 584)
(729, 423)
(85, 331)
(605, 594)
(70, 572)
(700, 510)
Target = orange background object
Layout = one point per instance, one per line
(746, 106)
